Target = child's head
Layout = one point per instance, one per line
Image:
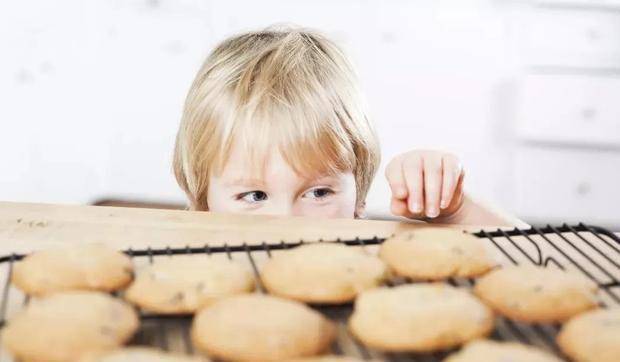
(274, 123)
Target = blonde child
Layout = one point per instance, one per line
(274, 124)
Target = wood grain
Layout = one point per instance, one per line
(26, 227)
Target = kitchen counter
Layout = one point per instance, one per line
(26, 227)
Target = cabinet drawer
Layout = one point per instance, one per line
(570, 109)
(571, 38)
(568, 185)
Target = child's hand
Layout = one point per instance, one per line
(425, 183)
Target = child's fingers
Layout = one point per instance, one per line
(457, 198)
(396, 179)
(458, 191)
(451, 173)
(432, 185)
(414, 178)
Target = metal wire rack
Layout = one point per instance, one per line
(592, 250)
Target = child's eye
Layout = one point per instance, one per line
(318, 193)
(252, 197)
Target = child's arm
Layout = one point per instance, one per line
(479, 213)
(428, 184)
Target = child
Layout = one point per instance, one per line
(274, 124)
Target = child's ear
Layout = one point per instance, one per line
(360, 210)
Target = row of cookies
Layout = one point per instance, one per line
(78, 326)
(84, 325)
(89, 326)
(324, 273)
(333, 273)
(320, 273)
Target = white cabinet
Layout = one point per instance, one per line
(567, 124)
(571, 38)
(561, 185)
(572, 109)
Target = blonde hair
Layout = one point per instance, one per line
(288, 88)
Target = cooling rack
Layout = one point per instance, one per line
(591, 250)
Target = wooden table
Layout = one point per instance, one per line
(26, 227)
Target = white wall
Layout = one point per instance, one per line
(91, 91)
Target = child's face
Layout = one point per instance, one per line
(281, 191)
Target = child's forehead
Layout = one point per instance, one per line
(243, 167)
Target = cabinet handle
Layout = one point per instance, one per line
(593, 34)
(583, 188)
(588, 114)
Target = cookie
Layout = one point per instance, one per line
(493, 351)
(419, 318)
(536, 294)
(260, 328)
(322, 273)
(593, 336)
(66, 326)
(79, 267)
(436, 254)
(182, 285)
(139, 354)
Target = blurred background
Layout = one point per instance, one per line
(527, 93)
